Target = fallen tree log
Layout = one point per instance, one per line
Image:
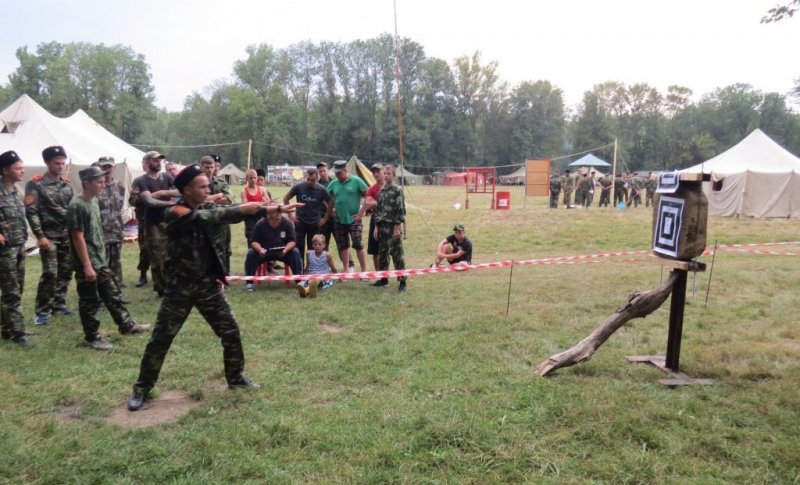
(640, 304)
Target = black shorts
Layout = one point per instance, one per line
(372, 243)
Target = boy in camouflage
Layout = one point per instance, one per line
(390, 214)
(92, 273)
(195, 269)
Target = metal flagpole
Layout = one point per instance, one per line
(613, 174)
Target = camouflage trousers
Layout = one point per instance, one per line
(648, 201)
(175, 308)
(605, 196)
(554, 199)
(89, 296)
(567, 197)
(51, 294)
(156, 235)
(144, 257)
(389, 246)
(12, 269)
(114, 254)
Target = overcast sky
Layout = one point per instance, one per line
(701, 44)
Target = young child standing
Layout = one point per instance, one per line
(318, 261)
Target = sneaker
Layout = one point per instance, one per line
(100, 343)
(136, 328)
(302, 290)
(137, 399)
(41, 319)
(249, 287)
(381, 282)
(243, 383)
(62, 311)
(312, 288)
(402, 288)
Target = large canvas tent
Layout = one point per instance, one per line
(27, 128)
(405, 177)
(517, 177)
(589, 161)
(231, 173)
(759, 178)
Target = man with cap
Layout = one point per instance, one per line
(455, 248)
(315, 214)
(567, 186)
(92, 273)
(46, 199)
(220, 194)
(155, 185)
(347, 192)
(370, 203)
(141, 239)
(390, 215)
(111, 201)
(194, 271)
(13, 234)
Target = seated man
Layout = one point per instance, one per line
(456, 248)
(273, 239)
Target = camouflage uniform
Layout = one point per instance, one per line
(220, 186)
(194, 269)
(141, 239)
(620, 194)
(390, 212)
(582, 194)
(84, 216)
(605, 191)
(111, 201)
(636, 193)
(650, 187)
(555, 190)
(567, 185)
(46, 202)
(12, 262)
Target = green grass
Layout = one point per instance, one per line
(438, 385)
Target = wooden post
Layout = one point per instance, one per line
(676, 307)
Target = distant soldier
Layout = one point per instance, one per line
(112, 201)
(650, 186)
(585, 187)
(620, 190)
(555, 189)
(605, 191)
(567, 185)
(13, 234)
(637, 187)
(194, 267)
(95, 279)
(220, 194)
(141, 240)
(46, 199)
(390, 214)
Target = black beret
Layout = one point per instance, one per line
(186, 175)
(217, 158)
(8, 158)
(260, 172)
(52, 152)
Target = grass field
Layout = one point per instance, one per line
(438, 385)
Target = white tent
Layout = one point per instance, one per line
(759, 179)
(27, 128)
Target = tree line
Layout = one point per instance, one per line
(310, 100)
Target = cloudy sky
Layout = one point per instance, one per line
(701, 44)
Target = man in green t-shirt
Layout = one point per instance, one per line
(347, 193)
(91, 264)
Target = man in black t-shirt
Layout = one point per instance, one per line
(316, 212)
(273, 240)
(455, 248)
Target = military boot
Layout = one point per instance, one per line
(142, 279)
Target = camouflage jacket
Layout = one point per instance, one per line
(194, 257)
(46, 202)
(391, 206)
(12, 217)
(555, 183)
(111, 202)
(567, 183)
(218, 185)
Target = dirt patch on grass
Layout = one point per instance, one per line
(330, 327)
(70, 413)
(166, 408)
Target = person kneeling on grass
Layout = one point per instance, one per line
(194, 270)
(90, 261)
(318, 261)
(455, 248)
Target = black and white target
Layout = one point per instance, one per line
(668, 226)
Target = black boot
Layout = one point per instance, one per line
(142, 280)
(381, 282)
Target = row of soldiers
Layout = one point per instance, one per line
(57, 219)
(627, 189)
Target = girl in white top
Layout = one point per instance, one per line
(318, 261)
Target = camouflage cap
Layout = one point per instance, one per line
(104, 162)
(459, 227)
(8, 158)
(91, 173)
(153, 155)
(376, 166)
(52, 152)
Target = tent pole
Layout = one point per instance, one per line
(613, 173)
(249, 152)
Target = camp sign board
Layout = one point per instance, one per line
(680, 216)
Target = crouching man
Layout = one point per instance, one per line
(92, 273)
(194, 270)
